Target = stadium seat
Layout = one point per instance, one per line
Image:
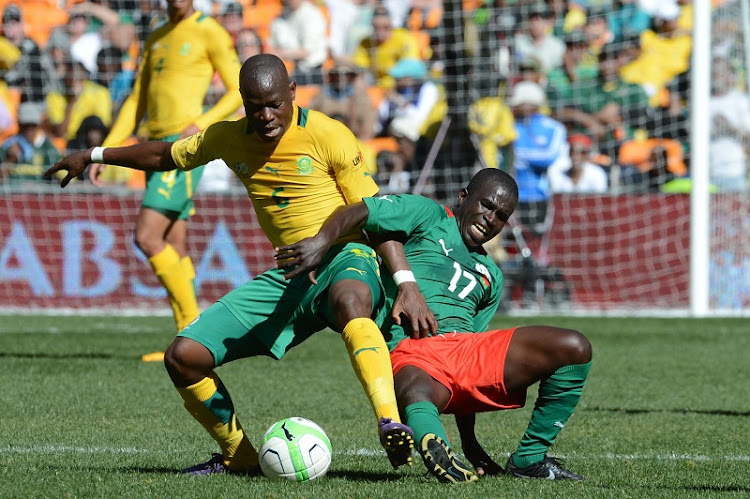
(637, 152)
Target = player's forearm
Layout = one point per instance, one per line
(152, 156)
(344, 220)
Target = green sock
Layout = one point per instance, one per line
(558, 396)
(423, 418)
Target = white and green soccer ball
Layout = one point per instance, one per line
(296, 449)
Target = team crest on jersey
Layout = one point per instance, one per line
(185, 49)
(485, 273)
(304, 166)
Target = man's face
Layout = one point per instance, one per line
(13, 31)
(482, 214)
(578, 155)
(179, 8)
(268, 107)
(381, 29)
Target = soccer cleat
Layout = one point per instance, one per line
(216, 465)
(441, 462)
(548, 468)
(152, 357)
(398, 440)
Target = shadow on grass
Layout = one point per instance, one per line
(710, 412)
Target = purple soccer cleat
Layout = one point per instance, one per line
(398, 440)
(216, 465)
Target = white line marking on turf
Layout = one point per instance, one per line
(69, 449)
(72, 449)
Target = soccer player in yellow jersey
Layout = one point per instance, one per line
(299, 166)
(178, 63)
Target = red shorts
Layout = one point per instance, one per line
(470, 365)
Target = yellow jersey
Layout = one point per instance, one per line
(295, 184)
(379, 59)
(174, 75)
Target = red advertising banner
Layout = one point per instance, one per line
(68, 249)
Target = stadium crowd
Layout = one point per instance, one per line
(604, 82)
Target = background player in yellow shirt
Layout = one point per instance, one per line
(179, 60)
(299, 166)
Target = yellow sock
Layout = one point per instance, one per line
(372, 364)
(187, 267)
(169, 271)
(208, 402)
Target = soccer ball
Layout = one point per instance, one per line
(296, 449)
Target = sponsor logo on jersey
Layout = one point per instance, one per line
(358, 159)
(386, 198)
(445, 250)
(304, 166)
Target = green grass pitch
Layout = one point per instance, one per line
(666, 413)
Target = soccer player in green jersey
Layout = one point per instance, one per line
(299, 167)
(457, 373)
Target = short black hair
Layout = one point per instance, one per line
(493, 177)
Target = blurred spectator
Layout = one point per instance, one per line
(664, 54)
(113, 76)
(82, 98)
(540, 145)
(83, 32)
(409, 111)
(91, 133)
(491, 121)
(608, 109)
(345, 98)
(27, 155)
(32, 73)
(248, 44)
(230, 16)
(583, 175)
(299, 35)
(380, 52)
(596, 30)
(536, 42)
(146, 17)
(39, 17)
(730, 129)
(579, 64)
(627, 19)
(350, 23)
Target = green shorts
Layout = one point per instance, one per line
(269, 316)
(171, 193)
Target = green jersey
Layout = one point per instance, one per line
(462, 286)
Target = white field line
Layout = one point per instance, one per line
(92, 326)
(70, 449)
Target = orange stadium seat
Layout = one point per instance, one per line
(377, 94)
(637, 152)
(259, 14)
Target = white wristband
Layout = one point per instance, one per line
(402, 276)
(97, 155)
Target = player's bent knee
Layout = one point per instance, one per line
(577, 347)
(187, 361)
(350, 300)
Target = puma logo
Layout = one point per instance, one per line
(445, 250)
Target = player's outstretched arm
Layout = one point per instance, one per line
(153, 156)
(307, 254)
(473, 451)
